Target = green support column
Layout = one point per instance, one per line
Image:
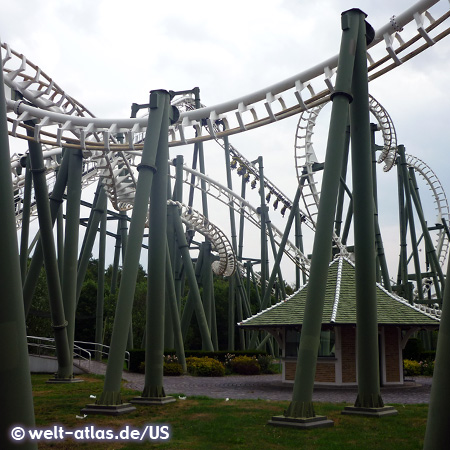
(276, 267)
(194, 298)
(232, 313)
(381, 255)
(115, 267)
(37, 259)
(431, 252)
(230, 186)
(205, 278)
(178, 265)
(266, 299)
(368, 401)
(436, 435)
(59, 323)
(201, 159)
(24, 232)
(153, 392)
(341, 194)
(176, 325)
(60, 241)
(402, 277)
(172, 256)
(100, 288)
(262, 211)
(412, 230)
(275, 253)
(69, 275)
(124, 240)
(301, 412)
(16, 397)
(110, 401)
(241, 223)
(98, 209)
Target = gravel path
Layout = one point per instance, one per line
(270, 387)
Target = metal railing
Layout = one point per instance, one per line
(82, 350)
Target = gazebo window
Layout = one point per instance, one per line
(326, 347)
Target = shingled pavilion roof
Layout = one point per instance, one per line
(340, 304)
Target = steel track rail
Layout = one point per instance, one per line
(291, 96)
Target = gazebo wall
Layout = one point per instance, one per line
(342, 369)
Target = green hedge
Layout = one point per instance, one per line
(205, 367)
(244, 365)
(137, 355)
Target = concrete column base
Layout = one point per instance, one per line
(152, 400)
(64, 380)
(370, 412)
(301, 422)
(108, 410)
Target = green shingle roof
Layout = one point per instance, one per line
(340, 304)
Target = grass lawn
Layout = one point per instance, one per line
(205, 423)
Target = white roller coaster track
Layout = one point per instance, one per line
(440, 202)
(213, 188)
(226, 265)
(61, 121)
(305, 158)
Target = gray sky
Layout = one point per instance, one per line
(108, 54)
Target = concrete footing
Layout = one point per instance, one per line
(152, 400)
(301, 422)
(64, 380)
(108, 410)
(370, 412)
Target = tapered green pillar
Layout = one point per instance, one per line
(436, 435)
(100, 289)
(59, 323)
(194, 300)
(16, 398)
(110, 401)
(369, 401)
(176, 325)
(69, 275)
(98, 209)
(56, 199)
(26, 209)
(300, 412)
(153, 392)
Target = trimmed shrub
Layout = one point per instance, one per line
(221, 355)
(411, 368)
(173, 369)
(205, 367)
(244, 365)
(265, 362)
(427, 367)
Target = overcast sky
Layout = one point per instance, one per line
(108, 54)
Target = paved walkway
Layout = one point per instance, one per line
(270, 387)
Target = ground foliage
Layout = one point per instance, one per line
(205, 423)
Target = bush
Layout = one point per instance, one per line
(244, 365)
(205, 367)
(411, 368)
(173, 369)
(427, 368)
(265, 362)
